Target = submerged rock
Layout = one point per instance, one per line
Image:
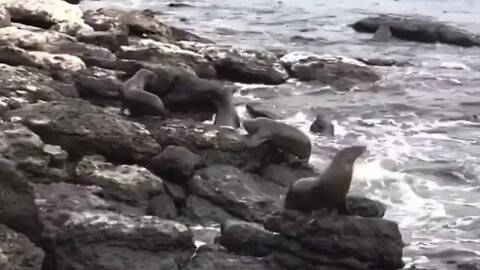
(338, 71)
(420, 30)
(17, 252)
(83, 129)
(241, 65)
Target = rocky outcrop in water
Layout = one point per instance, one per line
(342, 73)
(419, 30)
(84, 187)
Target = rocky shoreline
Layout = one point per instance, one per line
(84, 187)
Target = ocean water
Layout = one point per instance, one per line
(423, 156)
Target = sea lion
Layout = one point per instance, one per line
(383, 33)
(322, 125)
(138, 101)
(226, 113)
(288, 138)
(329, 190)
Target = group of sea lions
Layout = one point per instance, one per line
(326, 191)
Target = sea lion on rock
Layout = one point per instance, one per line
(328, 190)
(288, 138)
(383, 33)
(139, 101)
(226, 114)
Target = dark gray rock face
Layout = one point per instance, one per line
(418, 30)
(130, 184)
(236, 192)
(37, 161)
(294, 241)
(18, 210)
(74, 216)
(175, 164)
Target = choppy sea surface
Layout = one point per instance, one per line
(418, 122)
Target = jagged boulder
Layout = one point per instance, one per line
(81, 128)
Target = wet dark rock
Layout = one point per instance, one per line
(162, 206)
(17, 199)
(419, 30)
(216, 257)
(151, 51)
(383, 62)
(98, 84)
(204, 212)
(322, 125)
(239, 193)
(364, 207)
(58, 15)
(73, 2)
(83, 129)
(241, 65)
(328, 69)
(284, 175)
(17, 252)
(294, 241)
(175, 164)
(261, 110)
(112, 40)
(131, 184)
(34, 159)
(112, 241)
(4, 17)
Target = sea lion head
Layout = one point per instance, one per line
(148, 76)
(351, 153)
